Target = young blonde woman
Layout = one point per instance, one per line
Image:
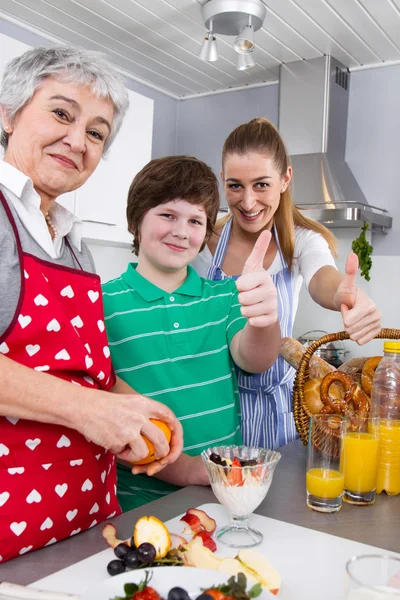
(256, 174)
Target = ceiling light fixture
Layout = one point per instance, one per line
(245, 61)
(209, 51)
(239, 18)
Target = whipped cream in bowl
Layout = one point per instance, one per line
(240, 478)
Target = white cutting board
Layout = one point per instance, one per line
(311, 563)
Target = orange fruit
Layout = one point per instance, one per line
(151, 457)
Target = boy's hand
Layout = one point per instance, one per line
(258, 295)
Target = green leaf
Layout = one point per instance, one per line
(130, 589)
(255, 591)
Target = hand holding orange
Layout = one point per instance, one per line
(151, 457)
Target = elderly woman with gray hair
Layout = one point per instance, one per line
(60, 427)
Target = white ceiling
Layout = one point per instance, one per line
(157, 41)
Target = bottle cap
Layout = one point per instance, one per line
(392, 347)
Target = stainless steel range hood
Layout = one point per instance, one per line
(313, 107)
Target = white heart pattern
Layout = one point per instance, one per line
(4, 497)
(26, 275)
(53, 325)
(88, 361)
(4, 451)
(100, 376)
(88, 379)
(47, 524)
(62, 355)
(106, 351)
(32, 443)
(75, 531)
(67, 292)
(71, 514)
(33, 496)
(12, 420)
(87, 485)
(47, 466)
(74, 463)
(93, 295)
(88, 348)
(14, 470)
(40, 300)
(4, 349)
(112, 515)
(100, 325)
(93, 523)
(103, 476)
(32, 349)
(42, 368)
(52, 541)
(25, 550)
(24, 320)
(18, 528)
(63, 442)
(61, 489)
(94, 509)
(108, 498)
(77, 322)
(98, 456)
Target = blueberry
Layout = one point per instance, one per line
(131, 559)
(146, 552)
(115, 567)
(133, 545)
(178, 593)
(121, 550)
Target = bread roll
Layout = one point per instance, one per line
(292, 351)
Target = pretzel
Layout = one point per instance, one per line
(368, 372)
(353, 396)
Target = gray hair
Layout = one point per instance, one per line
(23, 76)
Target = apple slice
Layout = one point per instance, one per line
(207, 540)
(257, 564)
(109, 533)
(233, 566)
(207, 522)
(177, 541)
(202, 558)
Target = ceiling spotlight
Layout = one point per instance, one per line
(245, 61)
(209, 51)
(244, 43)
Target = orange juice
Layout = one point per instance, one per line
(324, 483)
(389, 458)
(361, 461)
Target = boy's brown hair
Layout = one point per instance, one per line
(172, 178)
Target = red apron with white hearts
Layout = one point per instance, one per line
(53, 482)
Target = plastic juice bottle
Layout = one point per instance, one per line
(385, 403)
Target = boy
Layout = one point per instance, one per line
(172, 334)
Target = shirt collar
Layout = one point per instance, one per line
(192, 286)
(21, 186)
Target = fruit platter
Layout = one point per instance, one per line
(153, 545)
(169, 584)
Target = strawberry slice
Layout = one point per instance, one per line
(235, 476)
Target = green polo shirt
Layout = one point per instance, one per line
(174, 347)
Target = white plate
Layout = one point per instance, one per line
(164, 578)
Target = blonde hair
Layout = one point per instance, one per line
(261, 136)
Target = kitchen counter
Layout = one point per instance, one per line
(376, 525)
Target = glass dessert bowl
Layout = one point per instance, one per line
(240, 478)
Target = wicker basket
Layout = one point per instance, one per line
(300, 410)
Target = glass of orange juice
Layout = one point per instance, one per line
(325, 463)
(360, 449)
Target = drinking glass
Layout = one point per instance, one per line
(373, 577)
(325, 465)
(360, 448)
(240, 478)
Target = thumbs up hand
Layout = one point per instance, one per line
(258, 295)
(361, 318)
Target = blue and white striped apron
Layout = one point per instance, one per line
(265, 398)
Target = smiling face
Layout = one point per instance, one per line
(171, 236)
(253, 188)
(57, 138)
